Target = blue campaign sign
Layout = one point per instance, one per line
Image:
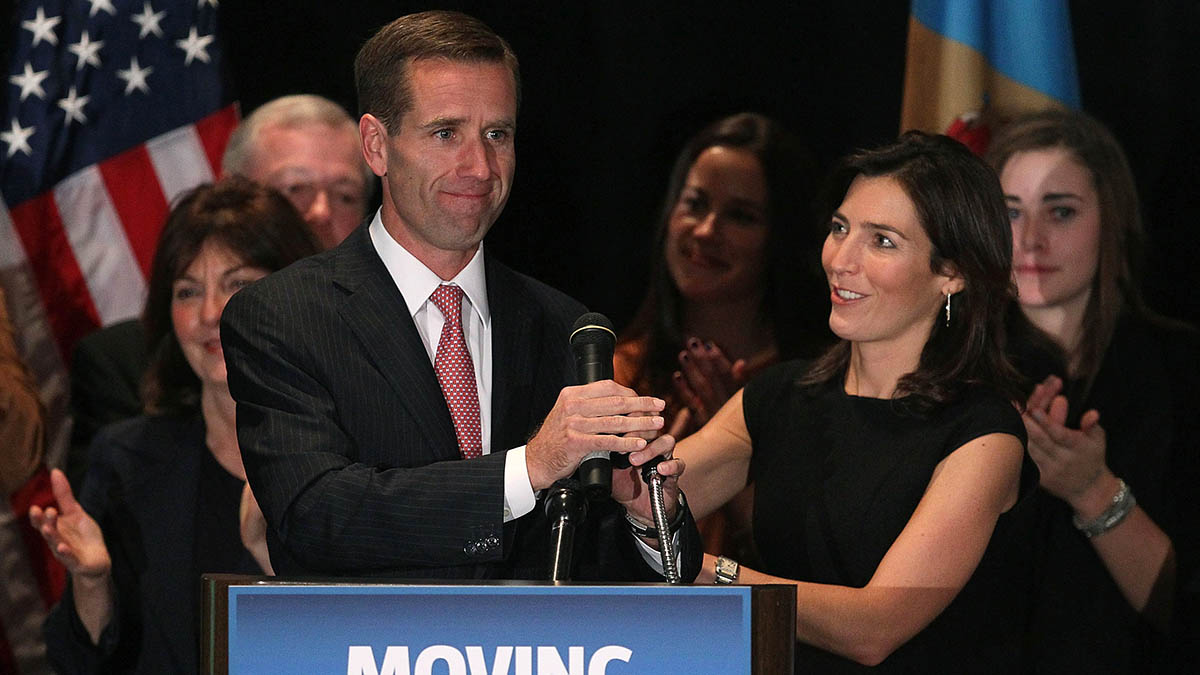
(489, 630)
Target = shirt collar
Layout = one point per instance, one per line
(417, 282)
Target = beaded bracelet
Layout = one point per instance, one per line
(1121, 506)
(650, 532)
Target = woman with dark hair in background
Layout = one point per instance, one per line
(886, 470)
(165, 497)
(735, 287)
(1118, 421)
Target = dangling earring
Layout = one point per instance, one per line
(947, 308)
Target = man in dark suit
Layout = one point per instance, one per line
(303, 145)
(388, 389)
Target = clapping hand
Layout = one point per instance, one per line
(1070, 460)
(706, 379)
(72, 535)
(77, 541)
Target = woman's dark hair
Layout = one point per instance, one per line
(791, 302)
(1121, 236)
(960, 206)
(256, 224)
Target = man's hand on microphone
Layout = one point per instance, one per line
(586, 419)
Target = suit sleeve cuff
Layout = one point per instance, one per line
(518, 492)
(653, 558)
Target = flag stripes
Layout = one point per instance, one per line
(89, 242)
(133, 188)
(56, 275)
(98, 247)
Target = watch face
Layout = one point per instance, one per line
(727, 570)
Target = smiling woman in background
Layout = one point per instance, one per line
(1114, 434)
(165, 497)
(735, 287)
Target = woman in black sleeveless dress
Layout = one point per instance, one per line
(887, 470)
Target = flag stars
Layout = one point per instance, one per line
(30, 82)
(135, 77)
(73, 106)
(194, 46)
(42, 27)
(98, 5)
(87, 52)
(17, 139)
(148, 21)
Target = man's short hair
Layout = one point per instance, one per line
(381, 67)
(288, 112)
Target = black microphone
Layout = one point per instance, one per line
(593, 341)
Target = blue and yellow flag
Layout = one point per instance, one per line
(972, 63)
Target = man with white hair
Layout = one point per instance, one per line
(303, 145)
(306, 147)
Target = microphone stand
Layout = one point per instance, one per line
(566, 507)
(658, 508)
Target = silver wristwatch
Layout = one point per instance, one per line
(727, 571)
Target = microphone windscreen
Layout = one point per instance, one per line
(592, 328)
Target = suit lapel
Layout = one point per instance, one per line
(376, 313)
(514, 347)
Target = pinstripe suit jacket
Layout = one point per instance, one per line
(348, 443)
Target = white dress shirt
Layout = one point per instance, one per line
(416, 283)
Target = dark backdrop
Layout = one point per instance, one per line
(611, 90)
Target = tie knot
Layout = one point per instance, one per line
(449, 300)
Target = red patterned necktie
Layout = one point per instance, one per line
(456, 372)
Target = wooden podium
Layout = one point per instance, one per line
(271, 624)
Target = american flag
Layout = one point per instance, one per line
(111, 109)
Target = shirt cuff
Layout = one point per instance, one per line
(518, 491)
(653, 558)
